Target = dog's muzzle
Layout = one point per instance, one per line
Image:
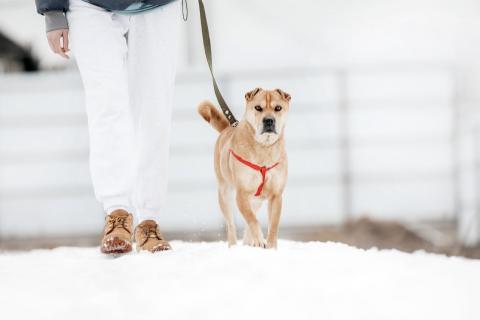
(269, 125)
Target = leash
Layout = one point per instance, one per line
(208, 54)
(207, 46)
(263, 170)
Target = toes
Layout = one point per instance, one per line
(271, 246)
(257, 243)
(260, 244)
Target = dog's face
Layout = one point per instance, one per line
(266, 111)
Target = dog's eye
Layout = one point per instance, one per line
(278, 108)
(258, 108)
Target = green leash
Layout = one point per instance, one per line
(208, 53)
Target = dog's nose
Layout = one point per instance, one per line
(268, 125)
(268, 122)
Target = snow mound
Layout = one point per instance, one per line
(210, 281)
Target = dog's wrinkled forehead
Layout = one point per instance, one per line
(261, 94)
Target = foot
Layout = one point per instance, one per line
(148, 237)
(254, 237)
(271, 243)
(231, 235)
(117, 234)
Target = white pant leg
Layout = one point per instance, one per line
(100, 48)
(152, 48)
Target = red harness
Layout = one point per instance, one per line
(263, 170)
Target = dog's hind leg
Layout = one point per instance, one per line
(247, 234)
(225, 199)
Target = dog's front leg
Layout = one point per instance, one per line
(274, 211)
(247, 235)
(245, 207)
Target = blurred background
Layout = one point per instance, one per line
(383, 136)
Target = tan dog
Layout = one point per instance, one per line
(251, 160)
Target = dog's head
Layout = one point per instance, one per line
(266, 111)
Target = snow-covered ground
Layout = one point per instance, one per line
(209, 281)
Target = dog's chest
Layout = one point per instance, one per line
(259, 183)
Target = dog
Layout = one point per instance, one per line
(251, 160)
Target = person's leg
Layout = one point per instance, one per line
(99, 45)
(152, 42)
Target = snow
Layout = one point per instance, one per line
(300, 280)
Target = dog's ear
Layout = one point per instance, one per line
(250, 94)
(285, 96)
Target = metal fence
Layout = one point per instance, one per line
(382, 141)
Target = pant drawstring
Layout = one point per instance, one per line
(184, 10)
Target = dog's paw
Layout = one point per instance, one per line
(272, 244)
(254, 237)
(259, 243)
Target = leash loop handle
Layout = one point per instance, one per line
(208, 54)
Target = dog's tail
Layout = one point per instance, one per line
(211, 114)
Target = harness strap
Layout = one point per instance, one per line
(208, 54)
(263, 170)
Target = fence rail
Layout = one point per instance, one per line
(382, 141)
